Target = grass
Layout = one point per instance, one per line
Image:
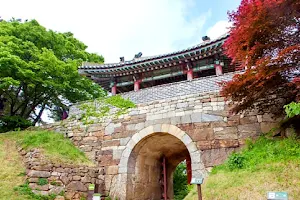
(11, 171)
(266, 165)
(53, 145)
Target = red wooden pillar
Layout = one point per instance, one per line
(164, 173)
(114, 89)
(189, 169)
(219, 70)
(137, 85)
(190, 75)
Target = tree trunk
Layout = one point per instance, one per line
(38, 117)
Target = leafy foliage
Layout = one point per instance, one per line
(235, 161)
(292, 109)
(39, 70)
(180, 184)
(265, 39)
(8, 123)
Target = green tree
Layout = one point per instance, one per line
(180, 184)
(39, 70)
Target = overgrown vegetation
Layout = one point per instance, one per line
(25, 190)
(42, 181)
(99, 108)
(262, 152)
(264, 165)
(53, 145)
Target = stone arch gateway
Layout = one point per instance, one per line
(199, 125)
(139, 163)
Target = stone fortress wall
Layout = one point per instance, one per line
(201, 121)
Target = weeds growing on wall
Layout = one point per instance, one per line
(101, 107)
(26, 190)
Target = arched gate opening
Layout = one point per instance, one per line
(150, 158)
(151, 166)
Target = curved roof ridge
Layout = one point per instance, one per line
(146, 58)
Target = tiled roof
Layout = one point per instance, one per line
(112, 68)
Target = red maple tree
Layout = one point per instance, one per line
(265, 39)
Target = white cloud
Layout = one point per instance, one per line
(116, 28)
(220, 28)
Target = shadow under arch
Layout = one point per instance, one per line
(140, 160)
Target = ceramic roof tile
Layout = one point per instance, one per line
(139, 60)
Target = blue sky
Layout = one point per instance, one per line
(115, 28)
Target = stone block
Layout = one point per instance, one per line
(110, 143)
(219, 124)
(210, 118)
(38, 174)
(56, 190)
(204, 145)
(76, 178)
(117, 154)
(213, 157)
(259, 118)
(249, 130)
(202, 125)
(39, 192)
(224, 143)
(248, 120)
(35, 186)
(196, 117)
(131, 127)
(112, 170)
(170, 114)
(124, 141)
(182, 105)
(140, 126)
(233, 120)
(186, 139)
(186, 119)
(33, 180)
(225, 133)
(165, 128)
(175, 120)
(198, 134)
(207, 108)
(157, 128)
(86, 179)
(267, 126)
(76, 186)
(195, 157)
(192, 147)
(109, 129)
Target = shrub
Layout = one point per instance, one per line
(236, 161)
(26, 190)
(9, 123)
(42, 181)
